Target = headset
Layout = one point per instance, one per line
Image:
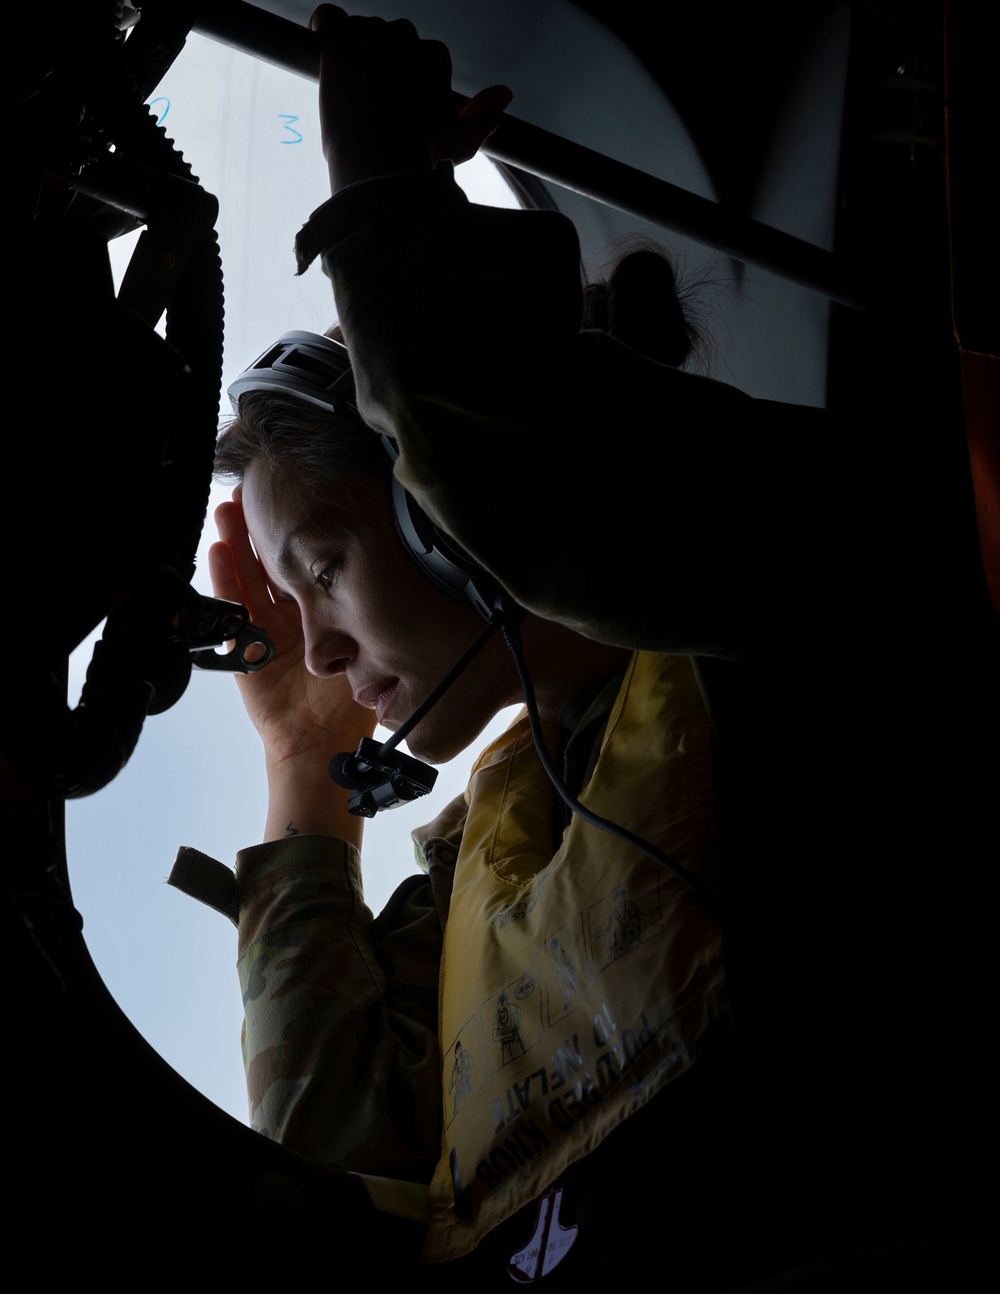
(317, 369)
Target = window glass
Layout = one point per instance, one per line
(250, 133)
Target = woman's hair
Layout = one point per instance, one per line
(637, 301)
(308, 445)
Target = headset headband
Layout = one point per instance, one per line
(305, 365)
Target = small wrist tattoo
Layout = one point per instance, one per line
(291, 829)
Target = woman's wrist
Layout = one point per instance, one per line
(351, 165)
(303, 800)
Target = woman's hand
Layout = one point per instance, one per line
(302, 720)
(386, 104)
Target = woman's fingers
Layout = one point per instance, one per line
(326, 16)
(222, 570)
(237, 576)
(329, 20)
(477, 120)
(247, 577)
(386, 105)
(485, 109)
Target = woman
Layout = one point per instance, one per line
(546, 1010)
(559, 927)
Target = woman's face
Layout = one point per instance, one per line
(369, 613)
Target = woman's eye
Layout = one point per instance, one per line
(328, 575)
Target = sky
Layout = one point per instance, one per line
(251, 135)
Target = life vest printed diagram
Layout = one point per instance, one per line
(460, 1079)
(624, 926)
(566, 969)
(501, 1030)
(563, 974)
(558, 982)
(507, 1029)
(624, 919)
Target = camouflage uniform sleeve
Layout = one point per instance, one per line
(340, 1035)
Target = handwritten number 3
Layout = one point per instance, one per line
(288, 119)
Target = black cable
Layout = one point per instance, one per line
(380, 777)
(512, 637)
(443, 686)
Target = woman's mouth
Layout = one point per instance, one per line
(378, 697)
(385, 699)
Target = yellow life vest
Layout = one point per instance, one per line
(578, 976)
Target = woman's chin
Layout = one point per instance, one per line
(430, 752)
(434, 747)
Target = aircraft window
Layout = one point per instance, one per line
(250, 133)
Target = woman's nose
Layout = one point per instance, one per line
(328, 649)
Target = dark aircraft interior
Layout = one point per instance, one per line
(824, 168)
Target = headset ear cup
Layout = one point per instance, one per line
(441, 559)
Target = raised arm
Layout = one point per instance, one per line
(340, 1029)
(650, 504)
(302, 720)
(340, 1032)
